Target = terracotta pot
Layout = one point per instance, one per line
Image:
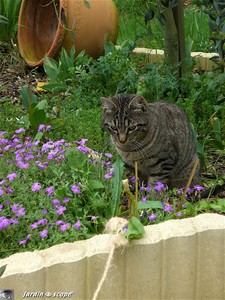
(45, 26)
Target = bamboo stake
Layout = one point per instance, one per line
(188, 183)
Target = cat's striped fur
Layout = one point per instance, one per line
(158, 136)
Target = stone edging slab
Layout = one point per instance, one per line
(177, 259)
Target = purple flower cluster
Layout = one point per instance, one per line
(167, 206)
(23, 157)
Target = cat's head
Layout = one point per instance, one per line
(125, 117)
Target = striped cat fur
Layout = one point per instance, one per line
(156, 135)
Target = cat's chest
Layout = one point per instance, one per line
(130, 157)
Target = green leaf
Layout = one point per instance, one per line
(150, 204)
(117, 185)
(51, 68)
(221, 202)
(55, 87)
(135, 229)
(217, 207)
(95, 185)
(109, 48)
(27, 97)
(38, 136)
(76, 160)
(87, 4)
(2, 270)
(37, 114)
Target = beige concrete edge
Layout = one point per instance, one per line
(69, 252)
(202, 59)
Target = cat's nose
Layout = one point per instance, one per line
(122, 138)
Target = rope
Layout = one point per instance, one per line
(117, 240)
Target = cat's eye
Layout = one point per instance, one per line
(132, 127)
(113, 127)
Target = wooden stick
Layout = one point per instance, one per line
(188, 183)
(136, 188)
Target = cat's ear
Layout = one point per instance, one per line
(107, 104)
(138, 103)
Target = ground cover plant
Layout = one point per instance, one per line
(54, 191)
(60, 178)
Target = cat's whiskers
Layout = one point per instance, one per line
(139, 147)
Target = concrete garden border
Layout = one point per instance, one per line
(177, 259)
(202, 59)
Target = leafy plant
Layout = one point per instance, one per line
(215, 9)
(9, 12)
(36, 111)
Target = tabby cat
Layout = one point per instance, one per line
(158, 136)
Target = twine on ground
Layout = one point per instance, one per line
(114, 226)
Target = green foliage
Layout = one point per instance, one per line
(215, 9)
(117, 186)
(110, 74)
(36, 111)
(9, 12)
(135, 229)
(2, 270)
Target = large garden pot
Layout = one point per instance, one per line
(46, 26)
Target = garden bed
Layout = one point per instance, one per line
(177, 259)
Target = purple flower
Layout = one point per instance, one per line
(29, 236)
(44, 233)
(4, 222)
(41, 128)
(23, 165)
(2, 181)
(83, 149)
(148, 188)
(15, 207)
(55, 202)
(108, 175)
(59, 222)
(94, 218)
(20, 212)
(1, 192)
(1, 207)
(36, 187)
(42, 222)
(179, 214)
(11, 176)
(48, 127)
(60, 210)
(198, 188)
(168, 208)
(20, 130)
(152, 217)
(34, 225)
(44, 211)
(64, 226)
(65, 200)
(13, 221)
(133, 179)
(159, 186)
(23, 242)
(9, 190)
(144, 199)
(2, 132)
(82, 142)
(77, 225)
(50, 191)
(109, 155)
(75, 189)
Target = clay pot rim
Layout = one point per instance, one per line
(56, 43)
